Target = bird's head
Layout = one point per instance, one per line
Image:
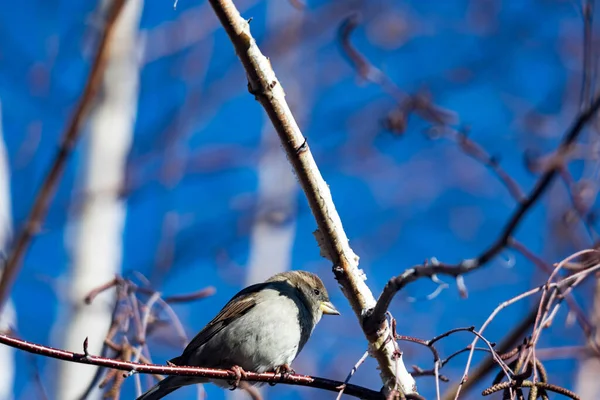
(311, 286)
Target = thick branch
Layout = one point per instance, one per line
(263, 83)
(290, 379)
(332, 239)
(70, 137)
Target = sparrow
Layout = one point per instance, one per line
(261, 329)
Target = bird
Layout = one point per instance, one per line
(261, 329)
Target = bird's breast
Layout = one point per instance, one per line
(266, 337)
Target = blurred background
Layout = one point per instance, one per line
(179, 183)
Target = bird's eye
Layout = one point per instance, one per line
(317, 292)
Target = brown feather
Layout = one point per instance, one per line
(234, 309)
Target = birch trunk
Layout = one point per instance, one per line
(95, 238)
(8, 316)
(587, 384)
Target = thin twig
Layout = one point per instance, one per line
(541, 186)
(352, 372)
(582, 319)
(184, 298)
(433, 267)
(478, 153)
(419, 103)
(289, 379)
(588, 54)
(69, 140)
(565, 282)
(488, 364)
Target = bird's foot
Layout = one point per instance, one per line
(239, 373)
(285, 370)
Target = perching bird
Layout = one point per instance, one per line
(261, 329)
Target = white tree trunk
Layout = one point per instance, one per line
(587, 384)
(8, 317)
(95, 238)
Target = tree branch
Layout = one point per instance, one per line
(70, 137)
(132, 367)
(330, 235)
(488, 364)
(432, 268)
(542, 184)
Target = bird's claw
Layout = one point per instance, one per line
(239, 374)
(285, 371)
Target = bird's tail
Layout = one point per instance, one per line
(164, 387)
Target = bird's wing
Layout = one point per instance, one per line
(238, 306)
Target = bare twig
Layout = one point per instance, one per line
(178, 298)
(130, 312)
(331, 237)
(488, 364)
(540, 188)
(433, 267)
(419, 103)
(352, 372)
(588, 59)
(529, 384)
(580, 207)
(92, 295)
(289, 379)
(439, 363)
(563, 284)
(478, 153)
(104, 352)
(41, 389)
(551, 299)
(69, 140)
(184, 298)
(364, 68)
(583, 321)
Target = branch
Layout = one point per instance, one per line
(487, 365)
(69, 140)
(587, 12)
(478, 153)
(132, 367)
(130, 326)
(433, 268)
(541, 186)
(419, 103)
(330, 235)
(561, 287)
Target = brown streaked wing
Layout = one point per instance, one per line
(238, 306)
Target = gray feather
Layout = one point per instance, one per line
(162, 388)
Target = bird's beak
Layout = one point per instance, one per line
(328, 308)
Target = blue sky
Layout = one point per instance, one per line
(497, 65)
